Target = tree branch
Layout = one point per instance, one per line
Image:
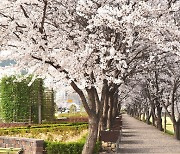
(41, 29)
(6, 16)
(91, 99)
(172, 103)
(83, 99)
(56, 66)
(138, 52)
(24, 11)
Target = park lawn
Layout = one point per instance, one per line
(169, 125)
(9, 150)
(73, 115)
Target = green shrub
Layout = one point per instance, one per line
(68, 148)
(20, 102)
(64, 130)
(64, 148)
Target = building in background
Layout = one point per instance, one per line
(66, 98)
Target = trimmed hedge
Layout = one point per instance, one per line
(45, 126)
(58, 128)
(68, 148)
(55, 147)
(20, 102)
(64, 148)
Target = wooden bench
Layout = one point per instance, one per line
(109, 136)
(114, 134)
(11, 150)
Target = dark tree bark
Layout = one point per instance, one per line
(103, 120)
(94, 109)
(116, 110)
(145, 109)
(112, 105)
(157, 101)
(159, 118)
(148, 116)
(153, 115)
(165, 122)
(143, 116)
(40, 100)
(177, 129)
(109, 120)
(176, 122)
(92, 136)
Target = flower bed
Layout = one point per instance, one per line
(48, 132)
(66, 138)
(8, 125)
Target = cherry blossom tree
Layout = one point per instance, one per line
(158, 90)
(170, 98)
(88, 44)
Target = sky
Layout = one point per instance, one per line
(6, 63)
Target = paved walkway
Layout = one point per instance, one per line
(139, 137)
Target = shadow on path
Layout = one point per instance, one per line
(138, 137)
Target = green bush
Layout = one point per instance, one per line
(57, 128)
(20, 102)
(63, 148)
(68, 148)
(55, 147)
(53, 132)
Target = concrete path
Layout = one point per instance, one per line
(139, 137)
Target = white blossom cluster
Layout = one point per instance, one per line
(67, 40)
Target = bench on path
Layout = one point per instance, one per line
(110, 138)
(117, 125)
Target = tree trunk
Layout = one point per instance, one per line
(143, 117)
(115, 112)
(119, 107)
(132, 112)
(177, 129)
(92, 136)
(153, 116)
(103, 121)
(40, 100)
(165, 121)
(94, 110)
(159, 123)
(148, 116)
(159, 118)
(109, 120)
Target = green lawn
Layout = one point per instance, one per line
(73, 115)
(10, 150)
(169, 125)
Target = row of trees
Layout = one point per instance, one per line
(95, 46)
(157, 89)
(22, 103)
